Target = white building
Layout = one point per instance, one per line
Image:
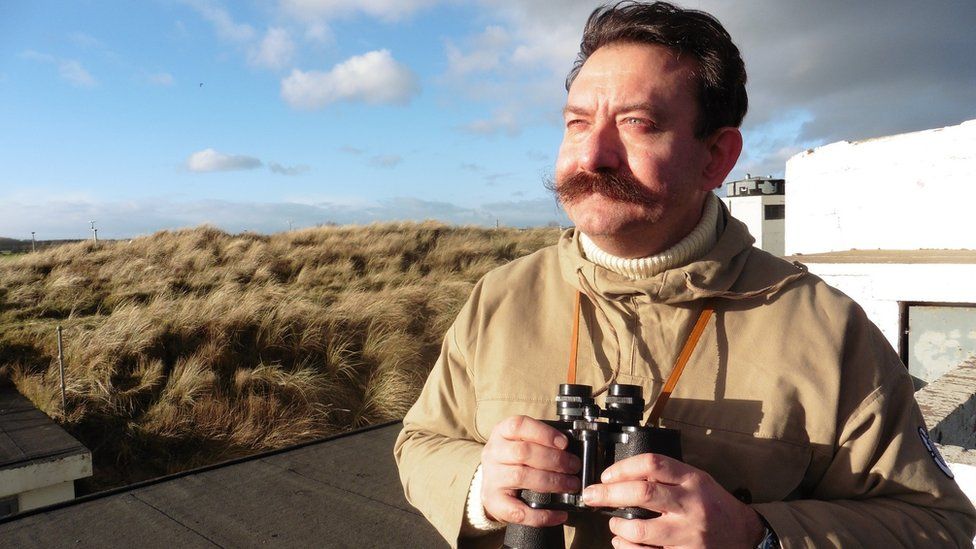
(888, 221)
(912, 191)
(760, 203)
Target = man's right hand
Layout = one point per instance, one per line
(525, 453)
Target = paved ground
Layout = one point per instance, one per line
(339, 492)
(28, 436)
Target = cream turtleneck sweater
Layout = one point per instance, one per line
(696, 244)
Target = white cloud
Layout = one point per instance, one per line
(75, 74)
(501, 121)
(389, 10)
(85, 40)
(319, 32)
(373, 77)
(288, 170)
(517, 64)
(485, 52)
(349, 149)
(385, 160)
(69, 69)
(224, 24)
(209, 160)
(275, 50)
(160, 79)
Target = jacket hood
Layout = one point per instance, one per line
(717, 274)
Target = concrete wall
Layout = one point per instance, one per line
(878, 287)
(903, 192)
(769, 234)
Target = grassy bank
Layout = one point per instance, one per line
(189, 347)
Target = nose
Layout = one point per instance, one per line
(601, 148)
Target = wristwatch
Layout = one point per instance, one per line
(769, 539)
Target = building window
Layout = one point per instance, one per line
(775, 211)
(935, 338)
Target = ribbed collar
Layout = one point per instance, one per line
(693, 246)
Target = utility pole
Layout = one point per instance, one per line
(33, 243)
(290, 227)
(94, 232)
(64, 402)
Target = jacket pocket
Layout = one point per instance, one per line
(754, 469)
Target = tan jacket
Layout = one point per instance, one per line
(792, 398)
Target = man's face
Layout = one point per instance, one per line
(631, 112)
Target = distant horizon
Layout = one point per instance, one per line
(559, 219)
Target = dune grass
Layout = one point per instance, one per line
(188, 347)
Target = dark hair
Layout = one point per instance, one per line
(720, 72)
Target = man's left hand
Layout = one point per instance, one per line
(695, 510)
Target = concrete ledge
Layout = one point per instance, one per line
(38, 475)
(949, 407)
(956, 454)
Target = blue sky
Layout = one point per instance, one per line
(258, 113)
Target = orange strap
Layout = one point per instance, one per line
(679, 366)
(574, 342)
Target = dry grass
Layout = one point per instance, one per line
(192, 346)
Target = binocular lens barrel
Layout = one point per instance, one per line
(572, 400)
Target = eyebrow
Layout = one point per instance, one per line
(633, 107)
(570, 109)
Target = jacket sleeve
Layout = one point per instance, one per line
(881, 486)
(438, 450)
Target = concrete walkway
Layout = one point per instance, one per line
(339, 492)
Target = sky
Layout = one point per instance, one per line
(265, 115)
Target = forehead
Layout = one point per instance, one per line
(634, 72)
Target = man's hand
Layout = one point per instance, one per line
(525, 453)
(695, 510)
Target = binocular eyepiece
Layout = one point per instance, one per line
(625, 404)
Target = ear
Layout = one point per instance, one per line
(724, 146)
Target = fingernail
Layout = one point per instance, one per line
(607, 476)
(589, 494)
(561, 442)
(615, 542)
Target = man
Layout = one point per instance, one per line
(791, 400)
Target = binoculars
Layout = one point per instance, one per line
(599, 444)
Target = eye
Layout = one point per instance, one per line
(642, 123)
(575, 124)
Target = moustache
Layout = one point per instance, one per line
(615, 186)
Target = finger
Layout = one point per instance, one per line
(654, 467)
(658, 531)
(509, 509)
(515, 477)
(533, 455)
(655, 496)
(531, 430)
(621, 543)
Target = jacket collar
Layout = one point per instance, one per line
(716, 274)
